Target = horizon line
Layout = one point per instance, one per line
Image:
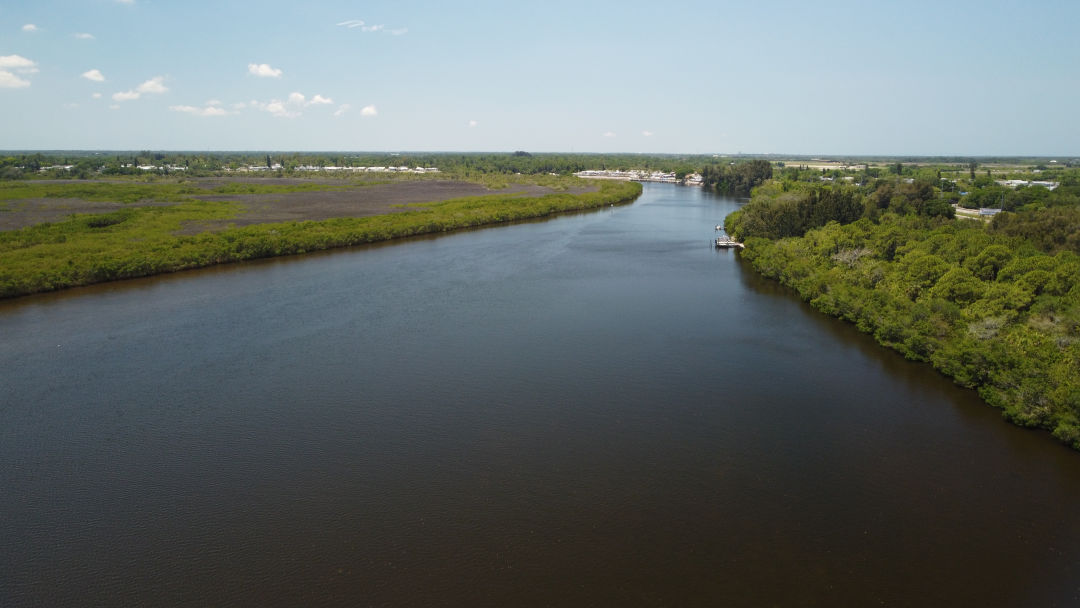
(777, 155)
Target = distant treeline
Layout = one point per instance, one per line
(996, 306)
(726, 175)
(736, 179)
(84, 165)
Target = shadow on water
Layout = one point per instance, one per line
(965, 402)
(942, 427)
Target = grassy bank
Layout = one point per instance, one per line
(142, 241)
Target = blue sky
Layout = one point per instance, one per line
(911, 78)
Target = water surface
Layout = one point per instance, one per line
(599, 409)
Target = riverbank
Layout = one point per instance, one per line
(149, 229)
(988, 311)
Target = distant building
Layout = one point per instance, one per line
(631, 175)
(1016, 183)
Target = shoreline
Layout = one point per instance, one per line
(134, 242)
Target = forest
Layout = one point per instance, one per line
(736, 179)
(995, 305)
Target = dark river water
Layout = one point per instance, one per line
(595, 410)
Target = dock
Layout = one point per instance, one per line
(726, 242)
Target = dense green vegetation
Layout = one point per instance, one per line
(995, 306)
(1053, 229)
(736, 179)
(141, 241)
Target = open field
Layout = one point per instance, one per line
(262, 200)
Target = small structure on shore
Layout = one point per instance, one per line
(643, 175)
(726, 242)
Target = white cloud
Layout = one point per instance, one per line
(15, 64)
(354, 23)
(11, 81)
(276, 107)
(154, 85)
(472, 124)
(96, 95)
(94, 75)
(647, 133)
(342, 109)
(368, 111)
(126, 1)
(114, 106)
(29, 27)
(213, 102)
(609, 134)
(71, 106)
(298, 99)
(205, 111)
(84, 36)
(18, 63)
(239, 105)
(290, 108)
(263, 70)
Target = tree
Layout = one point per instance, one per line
(989, 262)
(958, 285)
(738, 179)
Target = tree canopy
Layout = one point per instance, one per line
(995, 306)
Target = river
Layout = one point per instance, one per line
(596, 409)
